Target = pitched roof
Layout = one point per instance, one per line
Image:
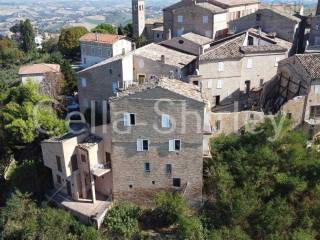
(175, 58)
(311, 63)
(101, 38)
(206, 5)
(41, 68)
(232, 3)
(176, 86)
(196, 38)
(235, 47)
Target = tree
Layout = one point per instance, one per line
(120, 30)
(190, 228)
(128, 30)
(105, 28)
(50, 46)
(122, 220)
(264, 186)
(69, 77)
(69, 44)
(27, 36)
(140, 41)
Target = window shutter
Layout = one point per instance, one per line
(171, 146)
(126, 119)
(139, 145)
(220, 66)
(209, 84)
(165, 120)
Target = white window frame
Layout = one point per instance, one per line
(140, 145)
(180, 18)
(220, 84)
(127, 119)
(165, 121)
(83, 82)
(145, 169)
(249, 63)
(220, 66)
(205, 19)
(209, 84)
(172, 145)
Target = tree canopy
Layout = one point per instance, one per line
(261, 187)
(27, 35)
(105, 28)
(69, 44)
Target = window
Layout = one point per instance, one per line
(317, 89)
(276, 63)
(220, 66)
(174, 145)
(129, 119)
(58, 159)
(289, 115)
(110, 71)
(176, 182)
(317, 40)
(74, 163)
(250, 40)
(315, 112)
(317, 27)
(209, 84)
(59, 179)
(83, 158)
(248, 86)
(218, 125)
(219, 84)
(205, 19)
(261, 82)
(142, 145)
(180, 32)
(147, 168)
(180, 19)
(83, 82)
(165, 121)
(114, 87)
(216, 100)
(249, 63)
(251, 116)
(168, 169)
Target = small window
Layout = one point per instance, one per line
(317, 89)
(181, 41)
(251, 116)
(59, 179)
(180, 19)
(174, 145)
(130, 186)
(147, 168)
(83, 158)
(74, 163)
(114, 87)
(142, 145)
(289, 115)
(110, 71)
(129, 119)
(218, 125)
(165, 121)
(219, 84)
(83, 82)
(249, 63)
(176, 182)
(153, 182)
(58, 159)
(261, 82)
(168, 169)
(209, 84)
(314, 112)
(220, 66)
(205, 19)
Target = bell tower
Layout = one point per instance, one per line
(138, 17)
(318, 9)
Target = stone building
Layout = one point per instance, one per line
(314, 38)
(271, 21)
(208, 18)
(48, 76)
(138, 17)
(154, 30)
(296, 91)
(153, 143)
(96, 47)
(236, 68)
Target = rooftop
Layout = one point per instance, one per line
(236, 46)
(41, 68)
(89, 142)
(184, 89)
(311, 63)
(101, 38)
(196, 38)
(175, 58)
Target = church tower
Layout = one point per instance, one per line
(318, 9)
(138, 17)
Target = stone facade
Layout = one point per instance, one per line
(270, 21)
(206, 18)
(138, 17)
(131, 181)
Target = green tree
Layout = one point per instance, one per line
(128, 30)
(140, 41)
(27, 36)
(105, 28)
(69, 44)
(122, 220)
(190, 228)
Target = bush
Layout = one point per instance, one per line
(190, 228)
(234, 233)
(169, 207)
(122, 220)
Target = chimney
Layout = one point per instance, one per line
(163, 59)
(169, 34)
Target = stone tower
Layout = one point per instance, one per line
(138, 17)
(318, 9)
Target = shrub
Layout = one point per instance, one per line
(190, 228)
(234, 233)
(122, 220)
(169, 207)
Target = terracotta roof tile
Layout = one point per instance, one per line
(101, 38)
(39, 69)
